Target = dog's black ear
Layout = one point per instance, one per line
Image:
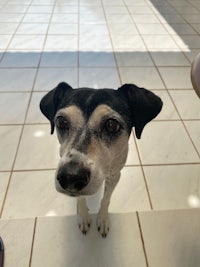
(144, 106)
(49, 103)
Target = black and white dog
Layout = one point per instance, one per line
(93, 128)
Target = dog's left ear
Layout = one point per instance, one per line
(49, 103)
(144, 105)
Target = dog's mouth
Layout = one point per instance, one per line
(72, 194)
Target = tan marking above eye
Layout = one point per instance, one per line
(100, 112)
(74, 114)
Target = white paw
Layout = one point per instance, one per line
(103, 224)
(84, 223)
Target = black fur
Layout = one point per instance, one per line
(136, 105)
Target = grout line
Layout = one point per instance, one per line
(22, 127)
(113, 52)
(125, 166)
(38, 65)
(12, 168)
(33, 240)
(143, 173)
(6, 192)
(19, 23)
(142, 239)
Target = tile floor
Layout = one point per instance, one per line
(100, 43)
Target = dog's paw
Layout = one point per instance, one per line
(103, 224)
(84, 223)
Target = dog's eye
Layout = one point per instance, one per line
(112, 126)
(62, 123)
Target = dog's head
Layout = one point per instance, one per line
(93, 128)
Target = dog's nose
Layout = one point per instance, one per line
(74, 176)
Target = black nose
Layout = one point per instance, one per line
(73, 176)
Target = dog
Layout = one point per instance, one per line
(93, 128)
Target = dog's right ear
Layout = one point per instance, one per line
(50, 102)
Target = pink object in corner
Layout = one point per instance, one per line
(195, 74)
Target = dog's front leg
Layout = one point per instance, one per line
(102, 217)
(84, 220)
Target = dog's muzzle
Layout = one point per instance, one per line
(72, 177)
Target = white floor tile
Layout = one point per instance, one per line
(130, 194)
(4, 179)
(161, 144)
(168, 111)
(140, 9)
(113, 3)
(61, 42)
(171, 18)
(47, 79)
(133, 59)
(133, 43)
(19, 104)
(64, 18)
(171, 77)
(96, 59)
(99, 78)
(155, 28)
(118, 18)
(11, 17)
(1, 54)
(8, 28)
(186, 42)
(36, 18)
(122, 247)
(59, 59)
(179, 28)
(5, 39)
(90, 9)
(14, 8)
(99, 29)
(34, 114)
(92, 18)
(33, 194)
(94, 43)
(196, 26)
(29, 42)
(16, 79)
(10, 136)
(144, 77)
(174, 187)
(40, 9)
(172, 58)
(32, 152)
(191, 54)
(32, 28)
(170, 238)
(116, 10)
(194, 131)
(132, 158)
(17, 59)
(124, 28)
(17, 237)
(191, 18)
(187, 103)
(63, 28)
(65, 7)
(159, 42)
(145, 18)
